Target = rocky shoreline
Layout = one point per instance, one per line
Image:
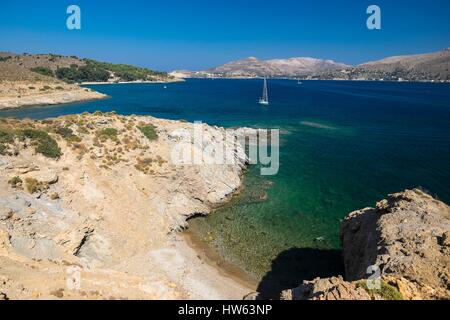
(91, 206)
(96, 195)
(18, 94)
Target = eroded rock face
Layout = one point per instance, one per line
(405, 236)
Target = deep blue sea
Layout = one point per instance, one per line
(344, 146)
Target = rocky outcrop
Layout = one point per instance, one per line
(334, 288)
(405, 238)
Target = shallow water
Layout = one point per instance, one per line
(345, 145)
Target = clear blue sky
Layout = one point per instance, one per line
(196, 34)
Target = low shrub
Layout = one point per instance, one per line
(45, 145)
(6, 137)
(68, 134)
(32, 185)
(44, 71)
(108, 133)
(386, 291)
(149, 131)
(45, 88)
(15, 182)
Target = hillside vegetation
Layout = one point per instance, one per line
(75, 70)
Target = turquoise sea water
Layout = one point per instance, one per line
(344, 146)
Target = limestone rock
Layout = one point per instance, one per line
(5, 244)
(6, 213)
(406, 237)
(45, 176)
(446, 239)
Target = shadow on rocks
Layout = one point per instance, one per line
(291, 267)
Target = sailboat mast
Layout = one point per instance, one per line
(265, 94)
(264, 100)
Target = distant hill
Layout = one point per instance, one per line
(421, 66)
(72, 69)
(252, 67)
(14, 72)
(430, 66)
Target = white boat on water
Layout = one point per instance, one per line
(264, 100)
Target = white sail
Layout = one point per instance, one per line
(264, 100)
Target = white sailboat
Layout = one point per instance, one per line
(264, 100)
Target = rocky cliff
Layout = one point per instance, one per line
(406, 237)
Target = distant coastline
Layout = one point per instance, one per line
(301, 79)
(132, 82)
(428, 67)
(21, 94)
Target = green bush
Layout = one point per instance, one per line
(386, 291)
(149, 131)
(6, 137)
(45, 144)
(68, 134)
(85, 73)
(15, 182)
(108, 133)
(45, 88)
(44, 71)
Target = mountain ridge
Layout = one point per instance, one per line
(432, 66)
(295, 66)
